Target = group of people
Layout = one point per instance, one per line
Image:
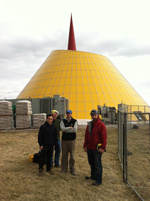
(94, 144)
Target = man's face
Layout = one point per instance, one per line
(94, 117)
(49, 120)
(54, 116)
(69, 115)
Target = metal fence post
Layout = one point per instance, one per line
(125, 175)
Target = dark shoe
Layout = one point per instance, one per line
(73, 173)
(56, 166)
(48, 171)
(92, 178)
(96, 184)
(63, 171)
(40, 172)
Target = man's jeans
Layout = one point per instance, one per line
(57, 153)
(94, 159)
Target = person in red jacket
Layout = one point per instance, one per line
(95, 144)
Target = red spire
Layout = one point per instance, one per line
(71, 41)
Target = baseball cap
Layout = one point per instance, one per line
(54, 112)
(94, 112)
(69, 111)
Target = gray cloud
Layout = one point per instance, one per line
(27, 47)
(23, 56)
(114, 47)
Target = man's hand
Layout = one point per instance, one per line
(41, 148)
(101, 150)
(85, 149)
(71, 127)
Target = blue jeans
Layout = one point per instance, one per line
(57, 153)
(94, 159)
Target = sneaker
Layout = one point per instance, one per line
(40, 172)
(96, 184)
(92, 178)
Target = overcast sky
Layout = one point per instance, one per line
(31, 29)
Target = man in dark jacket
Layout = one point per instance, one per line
(47, 138)
(95, 144)
(69, 129)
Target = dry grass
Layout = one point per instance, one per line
(20, 181)
(139, 161)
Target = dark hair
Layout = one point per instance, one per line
(49, 115)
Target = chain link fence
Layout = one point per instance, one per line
(134, 147)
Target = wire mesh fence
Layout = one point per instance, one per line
(134, 150)
(138, 157)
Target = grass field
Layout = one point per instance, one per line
(20, 181)
(139, 161)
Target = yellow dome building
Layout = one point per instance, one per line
(86, 79)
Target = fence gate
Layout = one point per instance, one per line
(134, 151)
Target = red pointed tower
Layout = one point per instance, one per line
(71, 41)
